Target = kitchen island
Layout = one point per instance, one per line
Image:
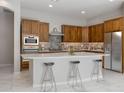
(61, 67)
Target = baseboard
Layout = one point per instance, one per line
(6, 65)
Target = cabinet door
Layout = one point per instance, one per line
(79, 34)
(73, 34)
(92, 33)
(67, 33)
(85, 34)
(99, 33)
(96, 33)
(26, 27)
(44, 32)
(35, 28)
(118, 24)
(108, 26)
(114, 25)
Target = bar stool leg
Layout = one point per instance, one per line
(96, 71)
(74, 78)
(80, 77)
(53, 79)
(69, 78)
(93, 71)
(43, 79)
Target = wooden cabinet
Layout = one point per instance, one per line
(24, 65)
(44, 32)
(34, 27)
(114, 24)
(26, 27)
(72, 33)
(79, 34)
(30, 27)
(96, 33)
(85, 34)
(66, 30)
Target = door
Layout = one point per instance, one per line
(107, 59)
(117, 51)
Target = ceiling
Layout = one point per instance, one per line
(73, 8)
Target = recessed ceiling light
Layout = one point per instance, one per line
(83, 12)
(111, 0)
(50, 5)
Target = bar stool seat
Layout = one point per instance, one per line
(75, 62)
(49, 64)
(98, 60)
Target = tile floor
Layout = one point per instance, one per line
(113, 81)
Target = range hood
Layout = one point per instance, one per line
(55, 32)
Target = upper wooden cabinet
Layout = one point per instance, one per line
(96, 33)
(114, 24)
(44, 32)
(34, 27)
(85, 34)
(72, 33)
(26, 27)
(30, 27)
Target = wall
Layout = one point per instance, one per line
(54, 20)
(104, 17)
(14, 5)
(6, 38)
(123, 9)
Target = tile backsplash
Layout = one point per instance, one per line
(76, 46)
(83, 46)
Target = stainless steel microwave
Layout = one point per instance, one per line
(31, 40)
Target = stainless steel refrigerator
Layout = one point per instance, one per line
(113, 46)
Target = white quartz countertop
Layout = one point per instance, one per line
(56, 55)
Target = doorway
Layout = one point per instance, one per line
(6, 39)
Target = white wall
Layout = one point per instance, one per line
(54, 20)
(14, 5)
(104, 17)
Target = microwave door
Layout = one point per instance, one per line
(31, 41)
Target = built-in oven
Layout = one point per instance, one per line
(30, 43)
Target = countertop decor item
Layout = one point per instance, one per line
(71, 50)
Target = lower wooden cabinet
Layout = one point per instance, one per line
(24, 65)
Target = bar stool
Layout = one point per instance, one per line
(48, 80)
(74, 79)
(96, 69)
